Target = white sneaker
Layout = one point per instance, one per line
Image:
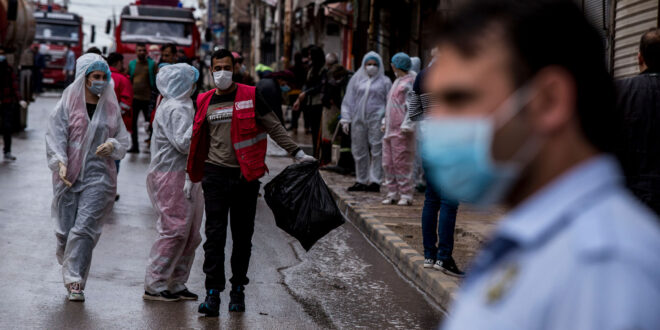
(428, 263)
(404, 202)
(388, 201)
(75, 292)
(9, 156)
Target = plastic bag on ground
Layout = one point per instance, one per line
(302, 203)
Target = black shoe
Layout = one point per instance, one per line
(186, 295)
(448, 267)
(210, 306)
(161, 296)
(374, 187)
(237, 299)
(116, 197)
(358, 187)
(133, 151)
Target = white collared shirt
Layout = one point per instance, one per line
(588, 257)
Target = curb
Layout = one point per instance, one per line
(440, 287)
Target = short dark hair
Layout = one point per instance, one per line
(113, 58)
(170, 46)
(649, 47)
(222, 53)
(538, 39)
(94, 50)
(140, 44)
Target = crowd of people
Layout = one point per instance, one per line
(506, 112)
(217, 138)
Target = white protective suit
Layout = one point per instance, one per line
(364, 107)
(179, 218)
(72, 139)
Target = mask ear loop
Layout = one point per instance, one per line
(515, 104)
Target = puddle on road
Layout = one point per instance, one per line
(345, 286)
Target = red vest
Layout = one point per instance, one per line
(247, 137)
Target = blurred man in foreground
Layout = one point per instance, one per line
(522, 118)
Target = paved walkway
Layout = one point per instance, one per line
(397, 231)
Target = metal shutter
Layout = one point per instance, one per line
(632, 18)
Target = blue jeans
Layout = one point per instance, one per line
(117, 163)
(445, 224)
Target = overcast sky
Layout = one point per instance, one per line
(97, 12)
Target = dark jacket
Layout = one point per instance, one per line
(638, 146)
(334, 85)
(272, 93)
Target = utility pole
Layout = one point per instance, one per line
(372, 29)
(288, 28)
(278, 35)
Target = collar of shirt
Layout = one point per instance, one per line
(540, 214)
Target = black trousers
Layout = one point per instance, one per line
(6, 111)
(226, 193)
(139, 106)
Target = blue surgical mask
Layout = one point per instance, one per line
(97, 86)
(457, 154)
(285, 88)
(3, 58)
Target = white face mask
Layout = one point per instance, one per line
(222, 79)
(372, 70)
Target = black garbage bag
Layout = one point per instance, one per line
(302, 203)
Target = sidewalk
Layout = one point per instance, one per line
(397, 232)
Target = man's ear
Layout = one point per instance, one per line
(641, 62)
(553, 105)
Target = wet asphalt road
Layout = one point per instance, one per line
(342, 282)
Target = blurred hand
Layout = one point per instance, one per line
(23, 104)
(105, 149)
(302, 157)
(346, 127)
(62, 174)
(187, 188)
(296, 105)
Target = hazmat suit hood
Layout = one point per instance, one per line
(176, 81)
(172, 126)
(71, 148)
(360, 101)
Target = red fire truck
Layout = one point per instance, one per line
(156, 23)
(55, 30)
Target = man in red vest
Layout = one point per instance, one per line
(227, 154)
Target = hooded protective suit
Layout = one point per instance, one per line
(72, 139)
(179, 217)
(399, 140)
(363, 107)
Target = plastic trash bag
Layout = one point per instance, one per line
(302, 203)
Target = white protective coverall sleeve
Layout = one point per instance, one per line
(72, 138)
(364, 106)
(179, 217)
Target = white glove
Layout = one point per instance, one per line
(23, 104)
(105, 149)
(302, 157)
(62, 174)
(187, 187)
(345, 126)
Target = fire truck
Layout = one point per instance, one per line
(154, 22)
(56, 29)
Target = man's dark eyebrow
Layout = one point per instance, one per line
(453, 94)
